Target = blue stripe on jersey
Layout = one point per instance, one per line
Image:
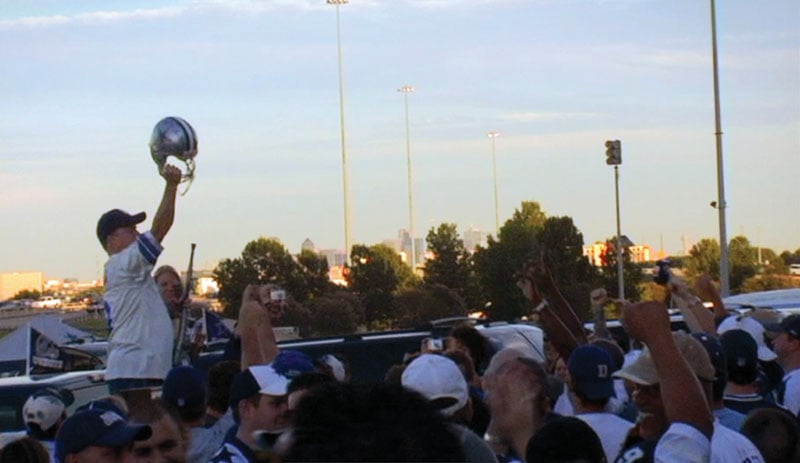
(107, 309)
(148, 250)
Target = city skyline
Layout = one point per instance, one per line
(258, 81)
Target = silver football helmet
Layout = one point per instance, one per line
(173, 136)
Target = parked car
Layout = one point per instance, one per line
(794, 269)
(47, 302)
(7, 306)
(784, 300)
(371, 354)
(85, 386)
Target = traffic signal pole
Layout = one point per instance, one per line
(620, 280)
(614, 158)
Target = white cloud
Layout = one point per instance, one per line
(94, 17)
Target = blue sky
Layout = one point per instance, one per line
(84, 82)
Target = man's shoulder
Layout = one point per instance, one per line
(729, 445)
(604, 421)
(792, 377)
(232, 451)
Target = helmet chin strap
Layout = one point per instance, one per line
(187, 177)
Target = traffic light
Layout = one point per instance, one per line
(613, 152)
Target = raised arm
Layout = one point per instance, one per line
(546, 286)
(681, 393)
(559, 334)
(165, 214)
(704, 287)
(697, 317)
(259, 345)
(597, 299)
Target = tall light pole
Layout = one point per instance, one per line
(614, 158)
(494, 134)
(724, 281)
(405, 90)
(345, 185)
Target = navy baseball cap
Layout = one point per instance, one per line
(185, 386)
(590, 367)
(114, 219)
(789, 325)
(100, 428)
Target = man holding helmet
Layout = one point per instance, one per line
(140, 343)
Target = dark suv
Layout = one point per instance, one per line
(371, 354)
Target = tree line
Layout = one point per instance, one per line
(382, 292)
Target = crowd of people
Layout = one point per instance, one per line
(724, 389)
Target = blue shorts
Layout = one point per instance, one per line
(126, 384)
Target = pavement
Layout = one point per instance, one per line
(15, 319)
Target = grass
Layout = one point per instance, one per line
(95, 325)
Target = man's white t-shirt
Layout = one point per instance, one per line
(141, 340)
(791, 393)
(611, 430)
(728, 446)
(683, 443)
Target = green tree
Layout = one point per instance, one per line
(28, 294)
(417, 306)
(771, 263)
(561, 246)
(376, 272)
(790, 258)
(496, 265)
(703, 258)
(335, 313)
(451, 265)
(768, 282)
(264, 260)
(530, 234)
(314, 268)
(631, 273)
(743, 264)
(299, 316)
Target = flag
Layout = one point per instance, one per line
(215, 328)
(45, 356)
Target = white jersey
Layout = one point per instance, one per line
(728, 446)
(140, 344)
(683, 443)
(791, 391)
(611, 430)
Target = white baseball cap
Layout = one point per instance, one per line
(438, 379)
(43, 410)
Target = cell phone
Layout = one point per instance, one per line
(664, 274)
(277, 295)
(435, 344)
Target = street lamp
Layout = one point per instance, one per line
(345, 187)
(405, 90)
(494, 134)
(724, 281)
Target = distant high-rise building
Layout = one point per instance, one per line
(472, 239)
(405, 243)
(420, 246)
(335, 257)
(639, 253)
(308, 245)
